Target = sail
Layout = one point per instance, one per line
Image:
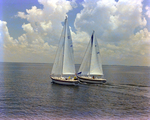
(91, 64)
(96, 66)
(85, 65)
(58, 63)
(68, 62)
(64, 60)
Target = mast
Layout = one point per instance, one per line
(68, 60)
(95, 68)
(58, 62)
(91, 50)
(91, 63)
(64, 44)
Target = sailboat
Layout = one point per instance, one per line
(90, 70)
(63, 71)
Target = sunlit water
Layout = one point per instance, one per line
(26, 92)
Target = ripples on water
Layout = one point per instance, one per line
(26, 92)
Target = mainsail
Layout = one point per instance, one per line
(64, 60)
(91, 64)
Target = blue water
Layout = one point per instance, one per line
(26, 92)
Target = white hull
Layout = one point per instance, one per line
(91, 80)
(60, 81)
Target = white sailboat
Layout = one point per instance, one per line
(63, 71)
(91, 70)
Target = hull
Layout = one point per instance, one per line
(60, 81)
(91, 80)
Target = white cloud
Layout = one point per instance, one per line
(80, 41)
(21, 15)
(7, 39)
(41, 33)
(46, 22)
(148, 11)
(140, 43)
(114, 23)
(135, 51)
(27, 28)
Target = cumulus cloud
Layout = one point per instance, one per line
(5, 37)
(135, 51)
(114, 23)
(80, 41)
(148, 11)
(46, 22)
(42, 32)
(111, 20)
(21, 15)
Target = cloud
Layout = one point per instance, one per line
(42, 32)
(5, 36)
(80, 40)
(113, 21)
(21, 15)
(135, 51)
(46, 22)
(27, 28)
(115, 24)
(140, 43)
(148, 11)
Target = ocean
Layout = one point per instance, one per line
(26, 93)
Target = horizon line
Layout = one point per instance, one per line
(77, 64)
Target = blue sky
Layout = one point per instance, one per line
(30, 29)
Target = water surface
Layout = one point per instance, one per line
(26, 92)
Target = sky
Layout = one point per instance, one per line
(30, 29)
